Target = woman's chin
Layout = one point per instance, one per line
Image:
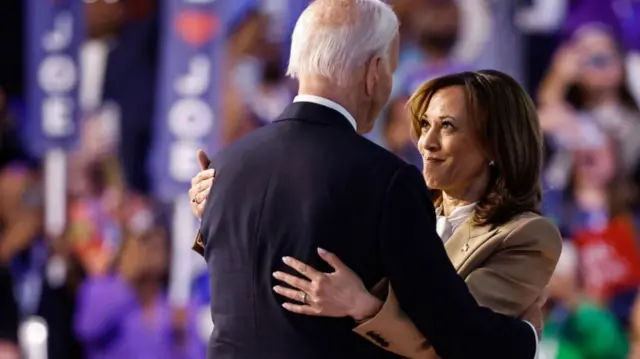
(431, 182)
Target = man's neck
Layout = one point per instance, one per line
(340, 95)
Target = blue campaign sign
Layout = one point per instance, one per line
(54, 32)
(188, 103)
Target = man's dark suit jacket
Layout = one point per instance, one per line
(309, 180)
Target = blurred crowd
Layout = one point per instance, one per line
(101, 286)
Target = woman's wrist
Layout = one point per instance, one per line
(366, 306)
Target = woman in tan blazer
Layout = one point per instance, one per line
(480, 140)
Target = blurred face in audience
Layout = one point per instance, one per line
(453, 156)
(601, 64)
(596, 165)
(435, 23)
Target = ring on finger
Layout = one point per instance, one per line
(304, 297)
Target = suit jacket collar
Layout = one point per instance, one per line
(466, 240)
(316, 113)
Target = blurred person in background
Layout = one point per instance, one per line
(435, 28)
(273, 94)
(19, 220)
(9, 152)
(117, 93)
(396, 132)
(257, 90)
(586, 82)
(595, 212)
(125, 313)
(25, 252)
(435, 25)
(576, 327)
(244, 74)
(18, 224)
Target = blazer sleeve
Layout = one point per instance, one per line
(508, 283)
(441, 307)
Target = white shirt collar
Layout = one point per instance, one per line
(328, 103)
(446, 226)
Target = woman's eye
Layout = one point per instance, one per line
(447, 125)
(424, 124)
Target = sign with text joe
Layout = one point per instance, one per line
(54, 32)
(188, 101)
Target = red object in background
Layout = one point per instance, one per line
(610, 260)
(196, 27)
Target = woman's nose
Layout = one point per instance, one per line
(431, 140)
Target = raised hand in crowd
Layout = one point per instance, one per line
(564, 70)
(562, 123)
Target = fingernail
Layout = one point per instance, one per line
(213, 172)
(322, 251)
(285, 259)
(276, 275)
(275, 288)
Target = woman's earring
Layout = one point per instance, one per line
(492, 163)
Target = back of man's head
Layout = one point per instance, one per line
(333, 38)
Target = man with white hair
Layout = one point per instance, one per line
(310, 181)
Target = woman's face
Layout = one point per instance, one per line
(601, 65)
(451, 151)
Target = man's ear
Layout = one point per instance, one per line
(372, 69)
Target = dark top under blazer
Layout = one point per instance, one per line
(309, 180)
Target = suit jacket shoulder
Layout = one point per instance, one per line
(358, 159)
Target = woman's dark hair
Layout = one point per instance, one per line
(508, 129)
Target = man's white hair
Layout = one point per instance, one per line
(332, 38)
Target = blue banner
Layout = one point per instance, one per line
(54, 32)
(188, 104)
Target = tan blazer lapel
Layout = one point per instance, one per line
(466, 240)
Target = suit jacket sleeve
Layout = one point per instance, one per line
(428, 288)
(508, 283)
